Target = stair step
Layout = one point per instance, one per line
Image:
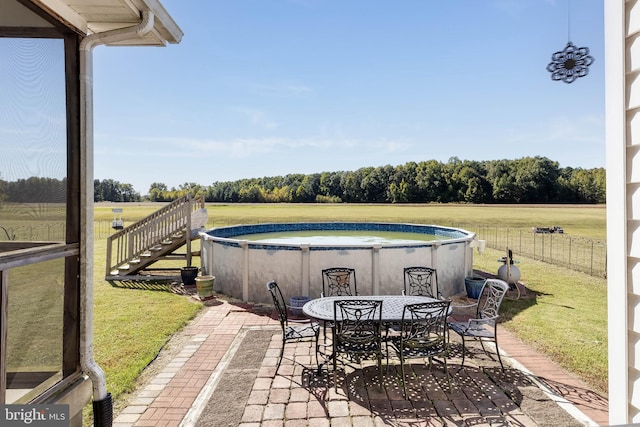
(175, 256)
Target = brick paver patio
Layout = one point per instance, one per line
(182, 391)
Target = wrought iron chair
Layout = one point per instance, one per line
(339, 281)
(356, 332)
(421, 281)
(423, 335)
(291, 333)
(483, 326)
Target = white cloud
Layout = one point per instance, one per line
(257, 118)
(183, 147)
(395, 146)
(581, 129)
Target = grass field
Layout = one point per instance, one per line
(583, 220)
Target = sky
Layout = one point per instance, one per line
(261, 88)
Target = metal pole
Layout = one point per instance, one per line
(591, 270)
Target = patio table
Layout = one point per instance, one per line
(392, 309)
(392, 305)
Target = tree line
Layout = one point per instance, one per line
(52, 190)
(525, 180)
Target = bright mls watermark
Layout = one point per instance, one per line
(34, 415)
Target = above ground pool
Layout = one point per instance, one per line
(244, 258)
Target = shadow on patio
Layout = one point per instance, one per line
(480, 394)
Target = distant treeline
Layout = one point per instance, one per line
(52, 190)
(525, 180)
(34, 190)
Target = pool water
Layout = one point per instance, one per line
(338, 237)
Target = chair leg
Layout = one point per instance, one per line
(464, 350)
(335, 366)
(446, 372)
(495, 340)
(281, 354)
(379, 356)
(482, 345)
(404, 378)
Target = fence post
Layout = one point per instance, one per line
(520, 245)
(569, 252)
(591, 268)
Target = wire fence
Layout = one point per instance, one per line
(576, 253)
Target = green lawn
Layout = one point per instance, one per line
(131, 326)
(564, 315)
(586, 221)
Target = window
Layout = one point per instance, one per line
(39, 206)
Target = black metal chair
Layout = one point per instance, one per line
(356, 332)
(338, 281)
(291, 333)
(423, 335)
(421, 281)
(483, 326)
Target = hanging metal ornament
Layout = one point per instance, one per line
(571, 62)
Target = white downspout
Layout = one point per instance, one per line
(88, 364)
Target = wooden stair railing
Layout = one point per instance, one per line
(164, 227)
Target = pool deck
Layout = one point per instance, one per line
(220, 371)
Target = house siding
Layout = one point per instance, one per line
(622, 97)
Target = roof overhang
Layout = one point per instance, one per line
(96, 16)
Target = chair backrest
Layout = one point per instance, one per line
(278, 302)
(491, 296)
(424, 326)
(421, 281)
(357, 321)
(338, 281)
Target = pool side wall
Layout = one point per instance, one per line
(243, 268)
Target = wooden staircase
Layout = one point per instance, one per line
(154, 238)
